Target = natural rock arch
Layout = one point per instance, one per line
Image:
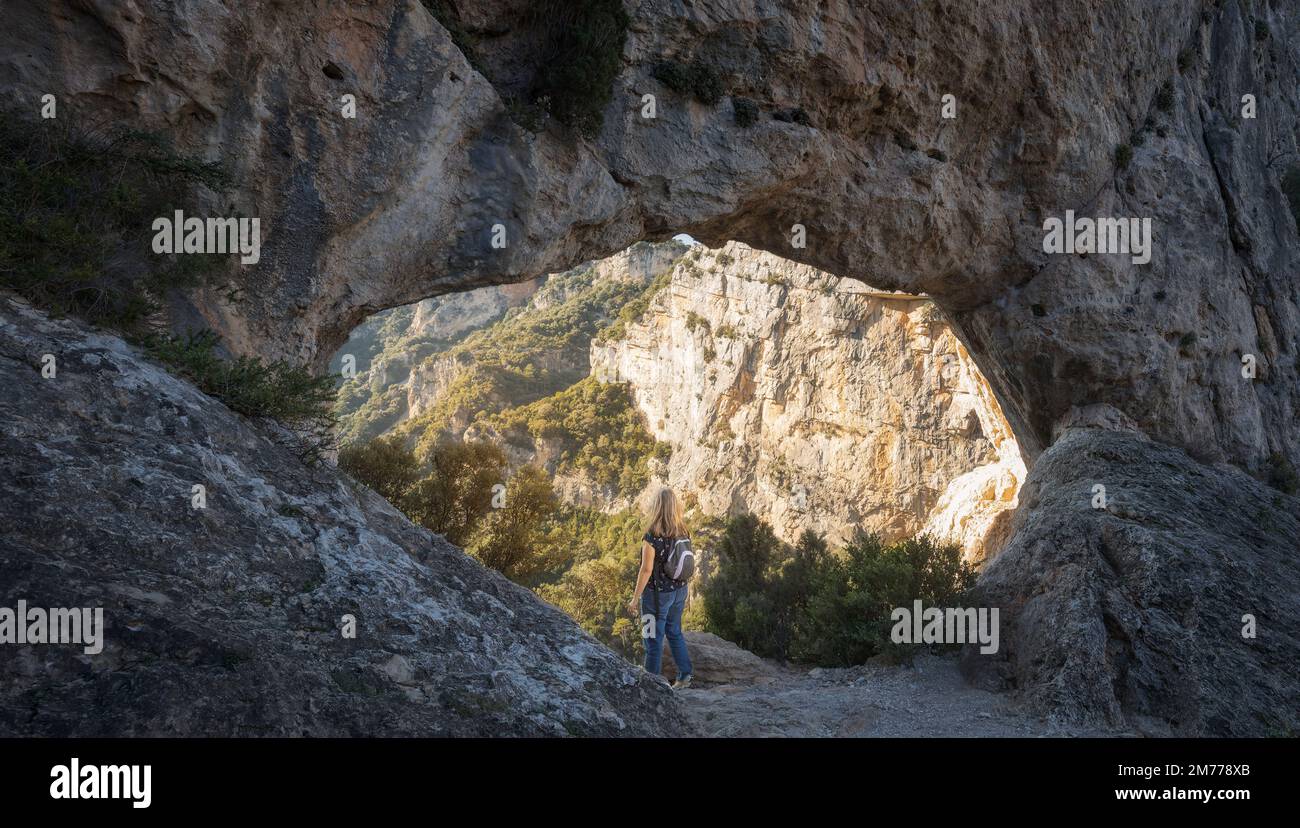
(398, 204)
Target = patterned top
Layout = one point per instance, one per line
(662, 546)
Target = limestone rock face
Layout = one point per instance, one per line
(450, 317)
(399, 203)
(1134, 614)
(442, 321)
(228, 620)
(815, 403)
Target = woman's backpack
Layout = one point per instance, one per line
(679, 564)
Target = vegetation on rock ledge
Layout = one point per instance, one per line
(76, 208)
(76, 215)
(286, 393)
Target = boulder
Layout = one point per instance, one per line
(233, 619)
(1171, 609)
(718, 661)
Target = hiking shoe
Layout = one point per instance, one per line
(682, 683)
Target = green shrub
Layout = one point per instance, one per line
(581, 56)
(76, 209)
(457, 494)
(697, 79)
(1291, 189)
(694, 322)
(510, 539)
(458, 499)
(673, 74)
(758, 596)
(1165, 97)
(745, 111)
(848, 617)
(738, 599)
(287, 393)
(606, 554)
(384, 464)
(1123, 155)
(812, 605)
(579, 52)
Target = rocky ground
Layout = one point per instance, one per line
(928, 699)
(738, 694)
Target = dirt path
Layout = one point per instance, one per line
(930, 698)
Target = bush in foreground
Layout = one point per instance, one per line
(809, 604)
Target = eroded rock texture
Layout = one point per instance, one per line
(816, 403)
(1133, 614)
(228, 620)
(398, 205)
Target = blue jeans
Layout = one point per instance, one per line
(668, 624)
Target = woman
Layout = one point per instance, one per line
(665, 599)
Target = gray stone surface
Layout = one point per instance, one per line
(398, 204)
(1132, 615)
(227, 620)
(1114, 615)
(927, 699)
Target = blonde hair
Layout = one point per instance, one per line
(666, 516)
